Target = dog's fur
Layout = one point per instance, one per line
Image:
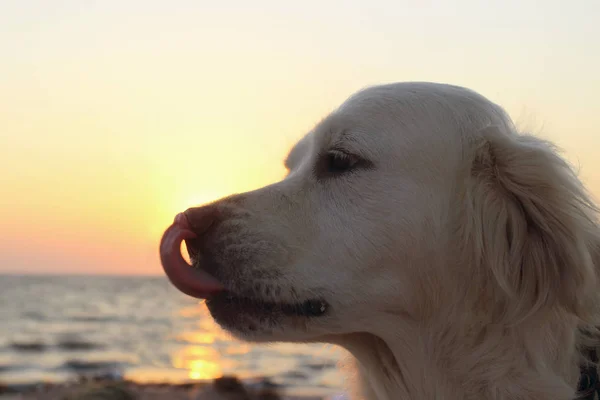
(456, 257)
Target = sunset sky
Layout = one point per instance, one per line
(115, 115)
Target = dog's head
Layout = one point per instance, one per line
(407, 201)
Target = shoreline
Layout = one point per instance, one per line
(224, 388)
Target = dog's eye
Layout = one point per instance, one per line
(339, 162)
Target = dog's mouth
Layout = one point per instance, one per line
(197, 282)
(227, 302)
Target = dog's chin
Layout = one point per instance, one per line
(254, 319)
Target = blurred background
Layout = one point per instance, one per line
(116, 115)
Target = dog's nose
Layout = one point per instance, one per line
(200, 220)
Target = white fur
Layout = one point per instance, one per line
(462, 263)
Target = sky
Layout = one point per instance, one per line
(116, 115)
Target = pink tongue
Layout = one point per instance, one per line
(191, 281)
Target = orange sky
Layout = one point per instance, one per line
(114, 117)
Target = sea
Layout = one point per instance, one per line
(59, 328)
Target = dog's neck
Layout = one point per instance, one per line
(499, 365)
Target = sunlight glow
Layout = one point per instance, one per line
(114, 120)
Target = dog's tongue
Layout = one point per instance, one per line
(191, 281)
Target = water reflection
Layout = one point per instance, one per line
(202, 369)
(202, 363)
(199, 358)
(196, 337)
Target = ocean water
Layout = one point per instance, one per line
(55, 328)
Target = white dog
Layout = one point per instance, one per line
(452, 256)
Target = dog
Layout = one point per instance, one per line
(452, 256)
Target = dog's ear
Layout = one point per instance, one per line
(532, 225)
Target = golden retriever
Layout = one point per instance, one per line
(452, 256)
